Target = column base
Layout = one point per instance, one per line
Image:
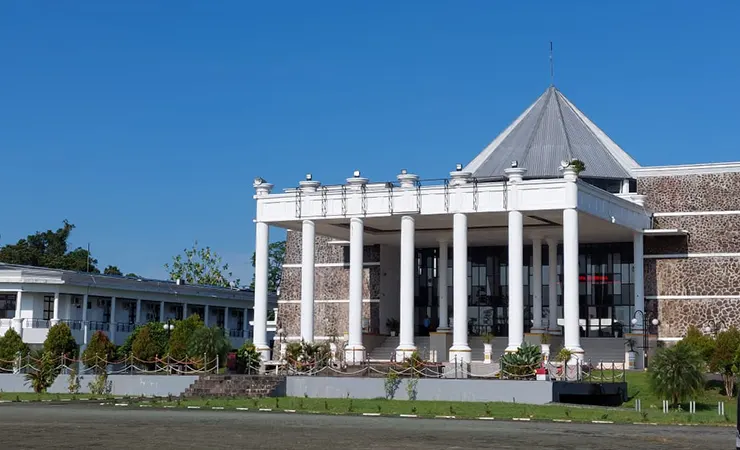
(404, 352)
(354, 354)
(263, 350)
(555, 331)
(443, 330)
(53, 322)
(577, 354)
(511, 348)
(461, 354)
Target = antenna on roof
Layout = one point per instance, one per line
(552, 68)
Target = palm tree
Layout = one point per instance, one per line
(676, 373)
(210, 342)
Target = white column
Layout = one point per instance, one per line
(355, 351)
(460, 350)
(406, 340)
(260, 289)
(572, 329)
(17, 320)
(112, 323)
(638, 280)
(516, 281)
(55, 314)
(184, 311)
(226, 319)
(85, 325)
(207, 314)
(138, 311)
(245, 323)
(444, 321)
(308, 272)
(537, 285)
(161, 312)
(552, 288)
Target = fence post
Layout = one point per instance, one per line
(218, 366)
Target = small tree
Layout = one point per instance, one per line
(99, 352)
(726, 358)
(155, 333)
(43, 375)
(200, 266)
(699, 342)
(210, 342)
(181, 334)
(676, 373)
(11, 345)
(145, 347)
(59, 341)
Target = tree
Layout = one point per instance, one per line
(699, 342)
(676, 373)
(44, 372)
(248, 359)
(145, 346)
(210, 342)
(726, 358)
(99, 352)
(131, 275)
(200, 266)
(112, 270)
(275, 258)
(11, 345)
(182, 332)
(59, 341)
(49, 249)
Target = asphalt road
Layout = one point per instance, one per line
(41, 426)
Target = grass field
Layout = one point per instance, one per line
(637, 382)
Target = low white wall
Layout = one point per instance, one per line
(131, 385)
(532, 392)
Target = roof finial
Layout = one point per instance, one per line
(552, 68)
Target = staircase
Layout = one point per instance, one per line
(383, 352)
(606, 350)
(236, 386)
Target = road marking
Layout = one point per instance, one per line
(603, 422)
(408, 416)
(486, 418)
(371, 414)
(562, 420)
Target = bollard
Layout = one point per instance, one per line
(721, 408)
(692, 407)
(638, 405)
(665, 407)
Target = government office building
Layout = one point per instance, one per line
(603, 248)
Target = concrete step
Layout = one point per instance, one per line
(233, 386)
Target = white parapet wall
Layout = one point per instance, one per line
(123, 385)
(531, 392)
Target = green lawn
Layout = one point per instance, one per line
(637, 382)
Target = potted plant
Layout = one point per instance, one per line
(630, 355)
(393, 326)
(487, 348)
(545, 342)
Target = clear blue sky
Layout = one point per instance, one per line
(144, 122)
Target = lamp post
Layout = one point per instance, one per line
(647, 319)
(169, 326)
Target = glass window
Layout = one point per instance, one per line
(48, 307)
(7, 306)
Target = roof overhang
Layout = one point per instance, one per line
(666, 232)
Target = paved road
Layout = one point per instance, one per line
(39, 426)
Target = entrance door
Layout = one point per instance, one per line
(601, 312)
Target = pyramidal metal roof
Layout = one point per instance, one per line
(550, 131)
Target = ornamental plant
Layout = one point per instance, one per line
(99, 352)
(248, 359)
(211, 343)
(11, 346)
(726, 358)
(43, 372)
(523, 363)
(676, 373)
(59, 341)
(182, 332)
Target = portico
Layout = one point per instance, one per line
(522, 208)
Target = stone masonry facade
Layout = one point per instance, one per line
(680, 268)
(331, 298)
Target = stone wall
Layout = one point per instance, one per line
(689, 284)
(331, 298)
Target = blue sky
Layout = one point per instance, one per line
(145, 122)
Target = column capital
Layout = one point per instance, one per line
(262, 187)
(407, 180)
(356, 182)
(309, 186)
(515, 174)
(459, 178)
(570, 173)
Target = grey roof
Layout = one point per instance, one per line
(550, 131)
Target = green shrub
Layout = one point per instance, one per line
(182, 332)
(99, 352)
(148, 341)
(11, 344)
(726, 358)
(73, 382)
(676, 373)
(523, 363)
(699, 342)
(44, 371)
(100, 385)
(59, 341)
(211, 342)
(248, 359)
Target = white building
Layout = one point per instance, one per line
(32, 299)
